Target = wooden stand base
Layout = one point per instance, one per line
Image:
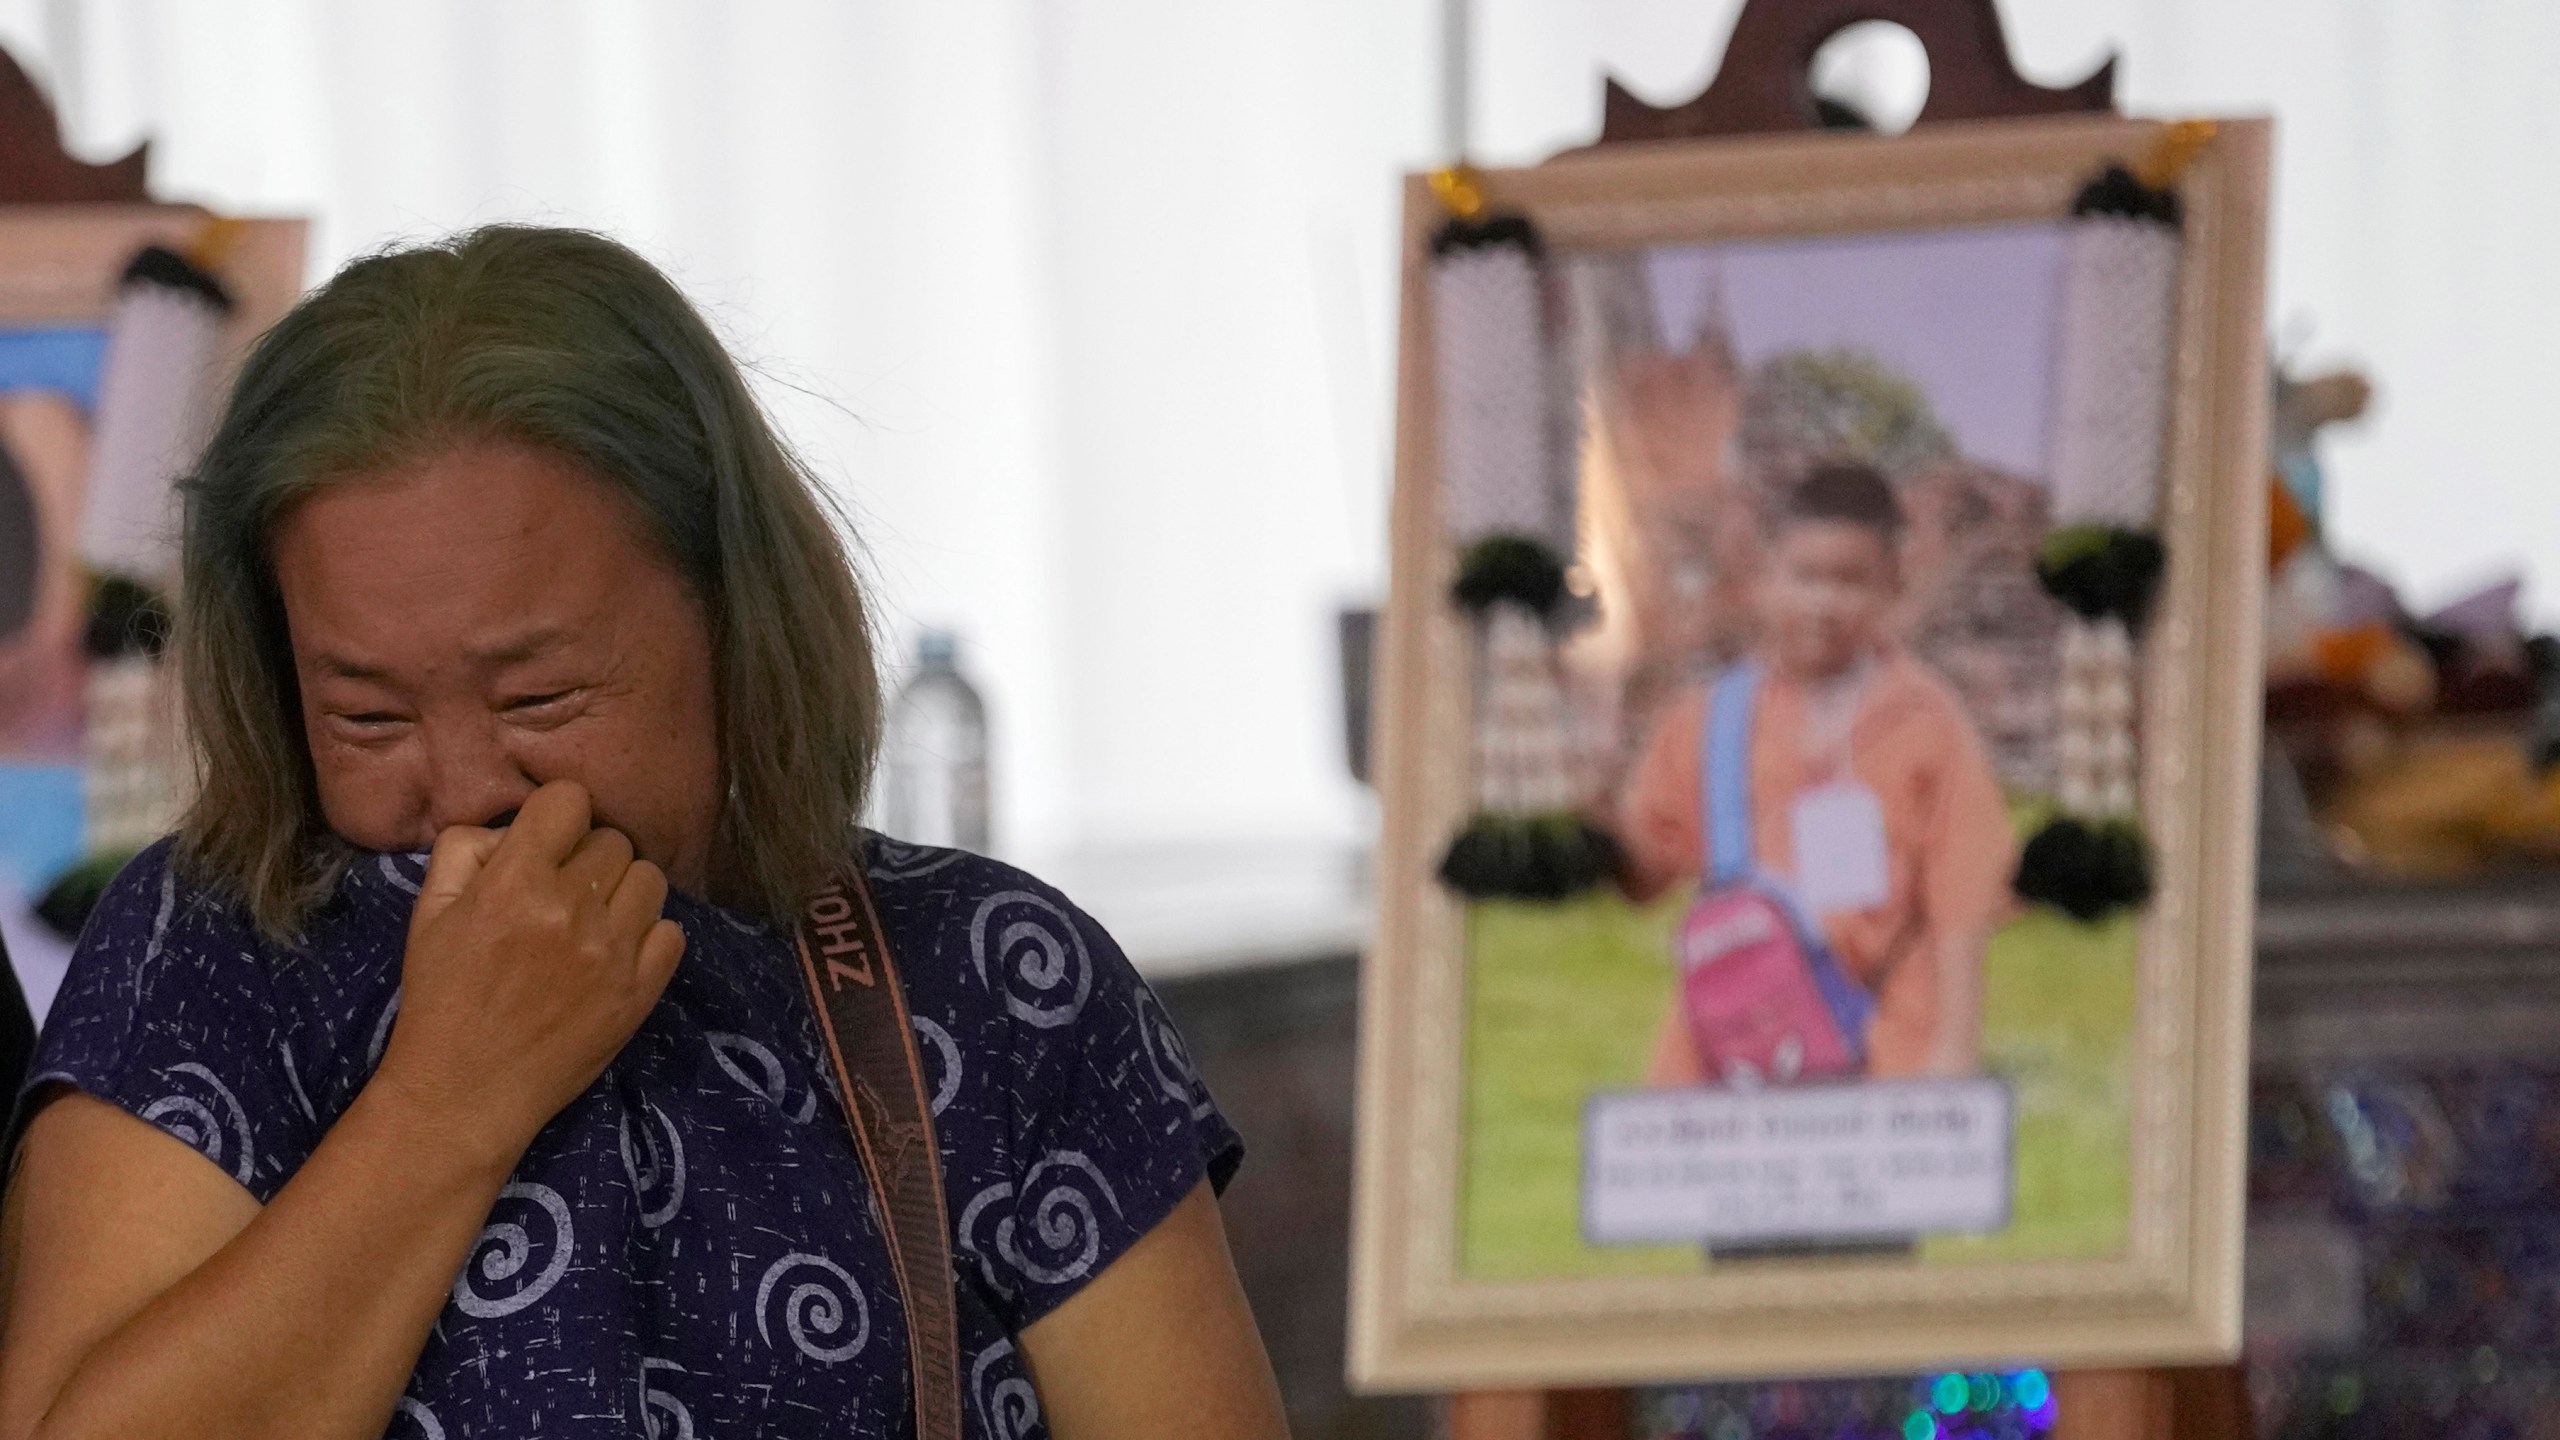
(1541, 1415)
(2114, 1405)
(2210, 1403)
(2199, 1403)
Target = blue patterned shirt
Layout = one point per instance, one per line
(688, 1249)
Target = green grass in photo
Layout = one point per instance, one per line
(1566, 999)
(1562, 1000)
(2057, 1021)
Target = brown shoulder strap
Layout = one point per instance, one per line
(871, 1046)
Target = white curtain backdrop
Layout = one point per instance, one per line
(1086, 306)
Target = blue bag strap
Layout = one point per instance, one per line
(1724, 806)
(1724, 772)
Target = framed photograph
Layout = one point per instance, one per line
(121, 325)
(1818, 735)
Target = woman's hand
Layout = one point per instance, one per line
(146, 1293)
(534, 953)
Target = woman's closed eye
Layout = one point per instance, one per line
(369, 729)
(544, 703)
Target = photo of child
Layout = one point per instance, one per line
(1814, 685)
(1871, 798)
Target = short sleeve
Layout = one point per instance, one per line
(1074, 1121)
(1114, 1126)
(169, 1014)
(1658, 821)
(1973, 851)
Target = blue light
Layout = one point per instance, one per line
(1949, 1393)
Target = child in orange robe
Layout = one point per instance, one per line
(1864, 757)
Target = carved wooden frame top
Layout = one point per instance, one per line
(36, 170)
(1762, 85)
(68, 228)
(2173, 1295)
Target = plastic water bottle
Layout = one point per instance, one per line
(933, 776)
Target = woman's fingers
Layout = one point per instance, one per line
(597, 864)
(660, 949)
(550, 824)
(457, 860)
(639, 899)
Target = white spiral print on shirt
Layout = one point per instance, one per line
(654, 1170)
(416, 1412)
(160, 917)
(946, 1088)
(1065, 1232)
(221, 1138)
(293, 1078)
(1009, 1408)
(898, 860)
(400, 880)
(972, 1215)
(382, 1030)
(505, 1248)
(772, 1081)
(1043, 969)
(678, 1424)
(1169, 1057)
(810, 1306)
(389, 865)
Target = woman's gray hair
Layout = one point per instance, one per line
(561, 339)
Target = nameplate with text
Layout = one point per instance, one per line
(1864, 1161)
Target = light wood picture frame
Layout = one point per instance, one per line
(1428, 1310)
(91, 760)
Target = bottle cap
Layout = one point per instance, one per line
(937, 649)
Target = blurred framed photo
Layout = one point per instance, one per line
(92, 435)
(1815, 885)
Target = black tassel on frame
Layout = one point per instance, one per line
(2102, 572)
(65, 906)
(2117, 191)
(1529, 857)
(1509, 567)
(126, 617)
(2086, 870)
(1484, 231)
(159, 265)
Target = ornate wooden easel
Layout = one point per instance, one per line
(1764, 86)
(71, 225)
(36, 170)
(68, 231)
(1765, 82)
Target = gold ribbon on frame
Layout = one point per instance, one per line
(1460, 188)
(2176, 149)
